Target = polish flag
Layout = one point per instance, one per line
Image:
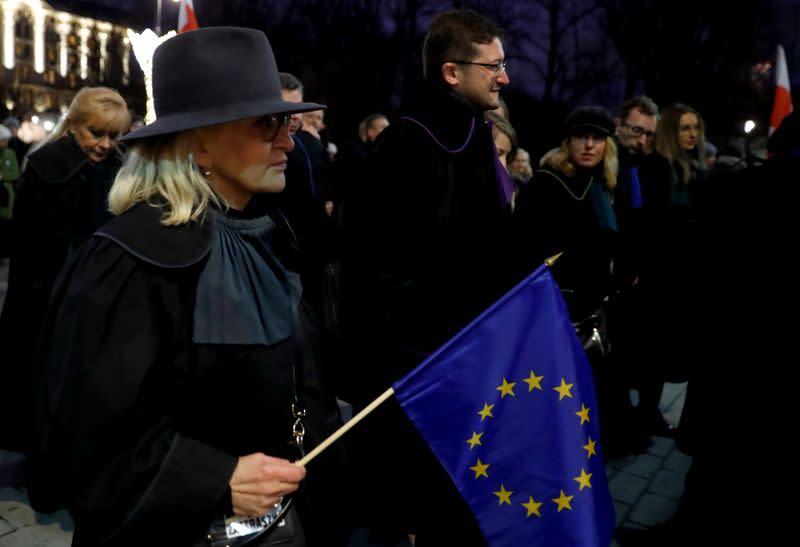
(783, 92)
(186, 18)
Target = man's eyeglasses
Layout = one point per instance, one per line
(494, 67)
(638, 131)
(272, 123)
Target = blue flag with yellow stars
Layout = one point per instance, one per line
(508, 406)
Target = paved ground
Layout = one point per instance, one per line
(646, 487)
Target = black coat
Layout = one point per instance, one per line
(61, 200)
(139, 427)
(644, 232)
(555, 213)
(309, 183)
(428, 239)
(427, 249)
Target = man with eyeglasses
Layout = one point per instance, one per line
(641, 203)
(429, 248)
(309, 187)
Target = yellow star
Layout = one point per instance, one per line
(534, 382)
(480, 469)
(563, 389)
(589, 448)
(476, 439)
(504, 495)
(584, 414)
(487, 411)
(507, 388)
(563, 501)
(533, 507)
(583, 480)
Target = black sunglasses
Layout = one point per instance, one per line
(272, 123)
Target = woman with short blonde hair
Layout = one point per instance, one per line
(561, 160)
(103, 105)
(60, 200)
(182, 329)
(566, 208)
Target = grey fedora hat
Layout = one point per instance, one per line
(214, 75)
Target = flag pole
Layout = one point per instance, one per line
(336, 435)
(345, 428)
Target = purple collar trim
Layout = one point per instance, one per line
(429, 132)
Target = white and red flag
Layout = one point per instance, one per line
(783, 92)
(186, 17)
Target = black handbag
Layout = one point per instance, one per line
(283, 527)
(592, 333)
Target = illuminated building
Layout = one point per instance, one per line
(47, 55)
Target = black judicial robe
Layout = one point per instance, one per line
(170, 354)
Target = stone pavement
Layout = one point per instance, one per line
(645, 489)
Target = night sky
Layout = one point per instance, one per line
(312, 39)
(782, 17)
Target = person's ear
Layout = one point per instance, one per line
(618, 124)
(200, 151)
(450, 73)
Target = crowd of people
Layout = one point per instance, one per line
(188, 299)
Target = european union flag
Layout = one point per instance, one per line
(508, 406)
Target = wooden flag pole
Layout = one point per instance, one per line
(345, 428)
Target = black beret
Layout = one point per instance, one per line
(589, 119)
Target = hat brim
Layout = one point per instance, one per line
(174, 123)
(589, 128)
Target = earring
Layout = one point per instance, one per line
(206, 171)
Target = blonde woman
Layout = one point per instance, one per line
(180, 381)
(61, 199)
(504, 137)
(566, 208)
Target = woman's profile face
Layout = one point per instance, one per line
(245, 157)
(96, 139)
(503, 145)
(688, 131)
(586, 151)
